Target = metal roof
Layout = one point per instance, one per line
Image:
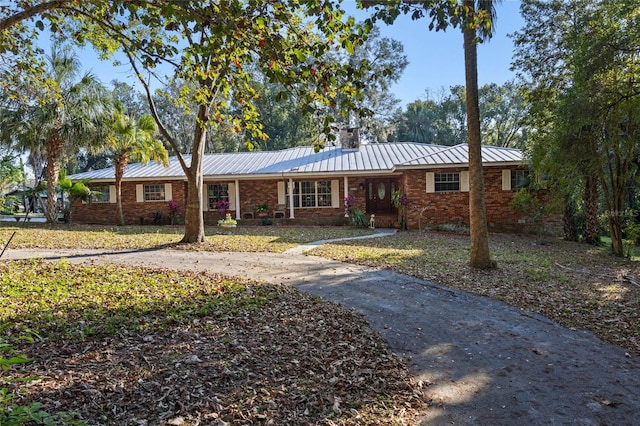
(369, 158)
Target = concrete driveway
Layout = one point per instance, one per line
(481, 362)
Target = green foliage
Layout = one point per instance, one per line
(527, 203)
(359, 219)
(450, 227)
(442, 119)
(581, 64)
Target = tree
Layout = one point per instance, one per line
(210, 45)
(71, 191)
(581, 61)
(442, 119)
(417, 123)
(132, 139)
(502, 113)
(63, 115)
(475, 19)
(385, 61)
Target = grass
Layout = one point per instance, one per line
(144, 346)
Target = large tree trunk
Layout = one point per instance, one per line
(591, 203)
(480, 255)
(193, 219)
(120, 165)
(569, 227)
(54, 153)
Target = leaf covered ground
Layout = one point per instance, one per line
(577, 285)
(132, 346)
(251, 238)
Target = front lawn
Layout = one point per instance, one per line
(253, 238)
(132, 346)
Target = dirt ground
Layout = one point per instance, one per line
(481, 362)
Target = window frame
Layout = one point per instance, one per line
(104, 197)
(516, 183)
(146, 193)
(214, 195)
(448, 185)
(310, 194)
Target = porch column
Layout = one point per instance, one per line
(346, 187)
(237, 197)
(291, 214)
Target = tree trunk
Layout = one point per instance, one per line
(569, 228)
(616, 217)
(54, 152)
(120, 165)
(591, 203)
(193, 219)
(615, 230)
(480, 255)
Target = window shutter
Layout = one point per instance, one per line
(112, 193)
(281, 196)
(464, 181)
(335, 194)
(167, 192)
(140, 193)
(431, 179)
(205, 197)
(506, 180)
(232, 196)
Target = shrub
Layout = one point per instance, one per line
(359, 219)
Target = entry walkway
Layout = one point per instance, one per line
(481, 361)
(309, 246)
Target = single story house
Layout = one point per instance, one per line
(300, 185)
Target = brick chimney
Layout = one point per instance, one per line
(350, 138)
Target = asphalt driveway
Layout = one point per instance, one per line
(481, 362)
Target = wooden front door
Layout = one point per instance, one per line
(379, 192)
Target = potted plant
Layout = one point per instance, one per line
(262, 210)
(227, 222)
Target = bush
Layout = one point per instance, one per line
(359, 219)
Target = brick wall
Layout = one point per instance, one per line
(428, 209)
(134, 212)
(424, 209)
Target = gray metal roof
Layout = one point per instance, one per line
(459, 154)
(369, 158)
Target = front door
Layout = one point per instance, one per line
(379, 195)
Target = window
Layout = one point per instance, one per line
(217, 192)
(154, 193)
(100, 194)
(324, 193)
(310, 194)
(519, 179)
(444, 182)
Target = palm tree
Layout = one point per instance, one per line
(480, 254)
(132, 140)
(64, 116)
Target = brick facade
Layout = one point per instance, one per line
(424, 208)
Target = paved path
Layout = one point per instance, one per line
(482, 362)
